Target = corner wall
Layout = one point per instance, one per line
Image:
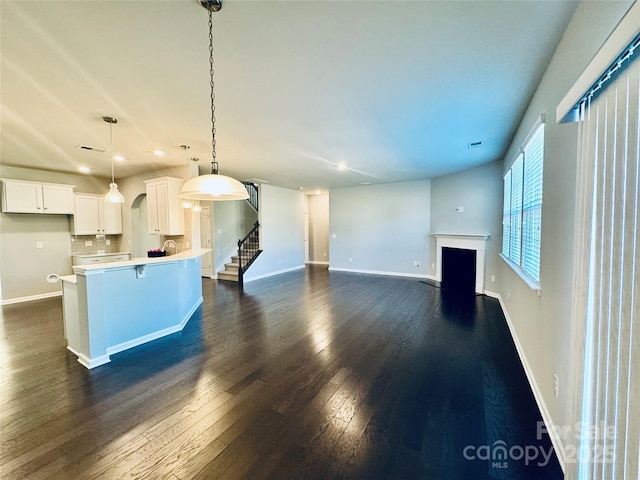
(281, 218)
(381, 229)
(479, 191)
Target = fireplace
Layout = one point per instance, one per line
(459, 270)
(477, 244)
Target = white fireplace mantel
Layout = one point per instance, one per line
(477, 242)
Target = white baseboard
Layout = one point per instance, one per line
(380, 272)
(121, 347)
(30, 298)
(544, 411)
(103, 359)
(271, 274)
(90, 362)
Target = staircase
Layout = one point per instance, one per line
(231, 270)
(248, 247)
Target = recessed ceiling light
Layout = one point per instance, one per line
(365, 183)
(158, 153)
(318, 192)
(118, 158)
(84, 169)
(301, 188)
(342, 166)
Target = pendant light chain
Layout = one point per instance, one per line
(214, 163)
(111, 151)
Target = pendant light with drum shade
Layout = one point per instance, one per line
(212, 187)
(113, 196)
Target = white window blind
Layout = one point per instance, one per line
(532, 204)
(515, 242)
(506, 215)
(522, 208)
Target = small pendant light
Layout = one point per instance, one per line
(113, 196)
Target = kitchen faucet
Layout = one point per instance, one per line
(170, 242)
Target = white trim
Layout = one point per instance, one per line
(104, 359)
(155, 335)
(378, 272)
(554, 433)
(619, 39)
(31, 298)
(312, 262)
(90, 362)
(467, 242)
(271, 274)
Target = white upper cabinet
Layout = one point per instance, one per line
(95, 217)
(21, 196)
(165, 214)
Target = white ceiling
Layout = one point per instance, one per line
(396, 90)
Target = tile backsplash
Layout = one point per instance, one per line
(98, 244)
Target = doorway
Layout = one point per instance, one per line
(141, 239)
(206, 260)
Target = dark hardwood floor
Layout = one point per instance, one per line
(310, 374)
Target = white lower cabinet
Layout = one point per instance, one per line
(99, 258)
(95, 217)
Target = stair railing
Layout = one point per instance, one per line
(252, 190)
(248, 251)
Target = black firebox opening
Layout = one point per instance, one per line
(459, 270)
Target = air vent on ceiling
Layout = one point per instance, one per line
(93, 149)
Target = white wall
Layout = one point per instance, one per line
(479, 191)
(282, 232)
(318, 217)
(228, 226)
(381, 228)
(542, 325)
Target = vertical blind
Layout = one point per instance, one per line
(607, 277)
(522, 210)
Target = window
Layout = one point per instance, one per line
(522, 208)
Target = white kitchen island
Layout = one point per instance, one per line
(111, 307)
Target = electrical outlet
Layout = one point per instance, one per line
(555, 384)
(493, 278)
(108, 242)
(325, 254)
(38, 244)
(416, 263)
(460, 209)
(88, 243)
(350, 260)
(509, 297)
(433, 266)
